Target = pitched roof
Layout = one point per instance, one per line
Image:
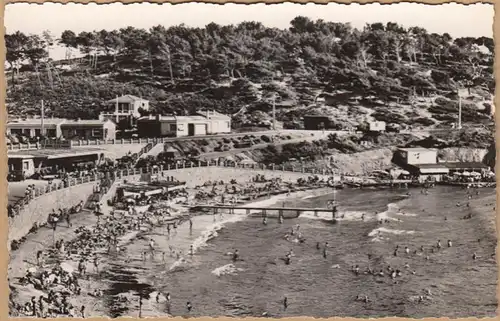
(126, 99)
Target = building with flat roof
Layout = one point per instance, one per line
(32, 127)
(217, 123)
(89, 129)
(205, 122)
(28, 162)
(377, 126)
(419, 155)
(428, 172)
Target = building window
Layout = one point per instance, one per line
(16, 131)
(173, 127)
(50, 133)
(26, 165)
(227, 124)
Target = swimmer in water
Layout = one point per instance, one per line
(407, 250)
(474, 256)
(236, 255)
(288, 259)
(285, 303)
(439, 244)
(317, 246)
(191, 250)
(189, 306)
(449, 243)
(264, 220)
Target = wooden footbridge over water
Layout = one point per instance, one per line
(264, 210)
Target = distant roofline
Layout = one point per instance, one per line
(416, 149)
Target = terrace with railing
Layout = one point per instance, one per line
(124, 173)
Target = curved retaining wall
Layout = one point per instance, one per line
(38, 209)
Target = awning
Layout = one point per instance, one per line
(434, 171)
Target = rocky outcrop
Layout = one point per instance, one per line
(490, 157)
(462, 154)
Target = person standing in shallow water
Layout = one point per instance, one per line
(285, 303)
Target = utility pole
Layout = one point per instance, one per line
(42, 129)
(459, 125)
(116, 111)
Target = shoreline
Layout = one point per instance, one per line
(88, 219)
(41, 240)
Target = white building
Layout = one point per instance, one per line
(217, 123)
(32, 127)
(205, 122)
(377, 126)
(124, 107)
(416, 156)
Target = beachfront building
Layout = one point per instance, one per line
(206, 122)
(421, 163)
(26, 163)
(125, 107)
(32, 127)
(428, 172)
(414, 156)
(467, 167)
(89, 129)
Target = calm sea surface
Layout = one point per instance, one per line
(451, 282)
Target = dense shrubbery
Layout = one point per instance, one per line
(182, 69)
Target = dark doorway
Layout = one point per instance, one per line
(190, 129)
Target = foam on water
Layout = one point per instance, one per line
(211, 231)
(226, 269)
(376, 232)
(347, 215)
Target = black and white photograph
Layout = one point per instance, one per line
(258, 160)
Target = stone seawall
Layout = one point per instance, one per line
(38, 209)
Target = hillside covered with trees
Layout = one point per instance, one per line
(384, 72)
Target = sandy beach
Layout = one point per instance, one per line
(310, 280)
